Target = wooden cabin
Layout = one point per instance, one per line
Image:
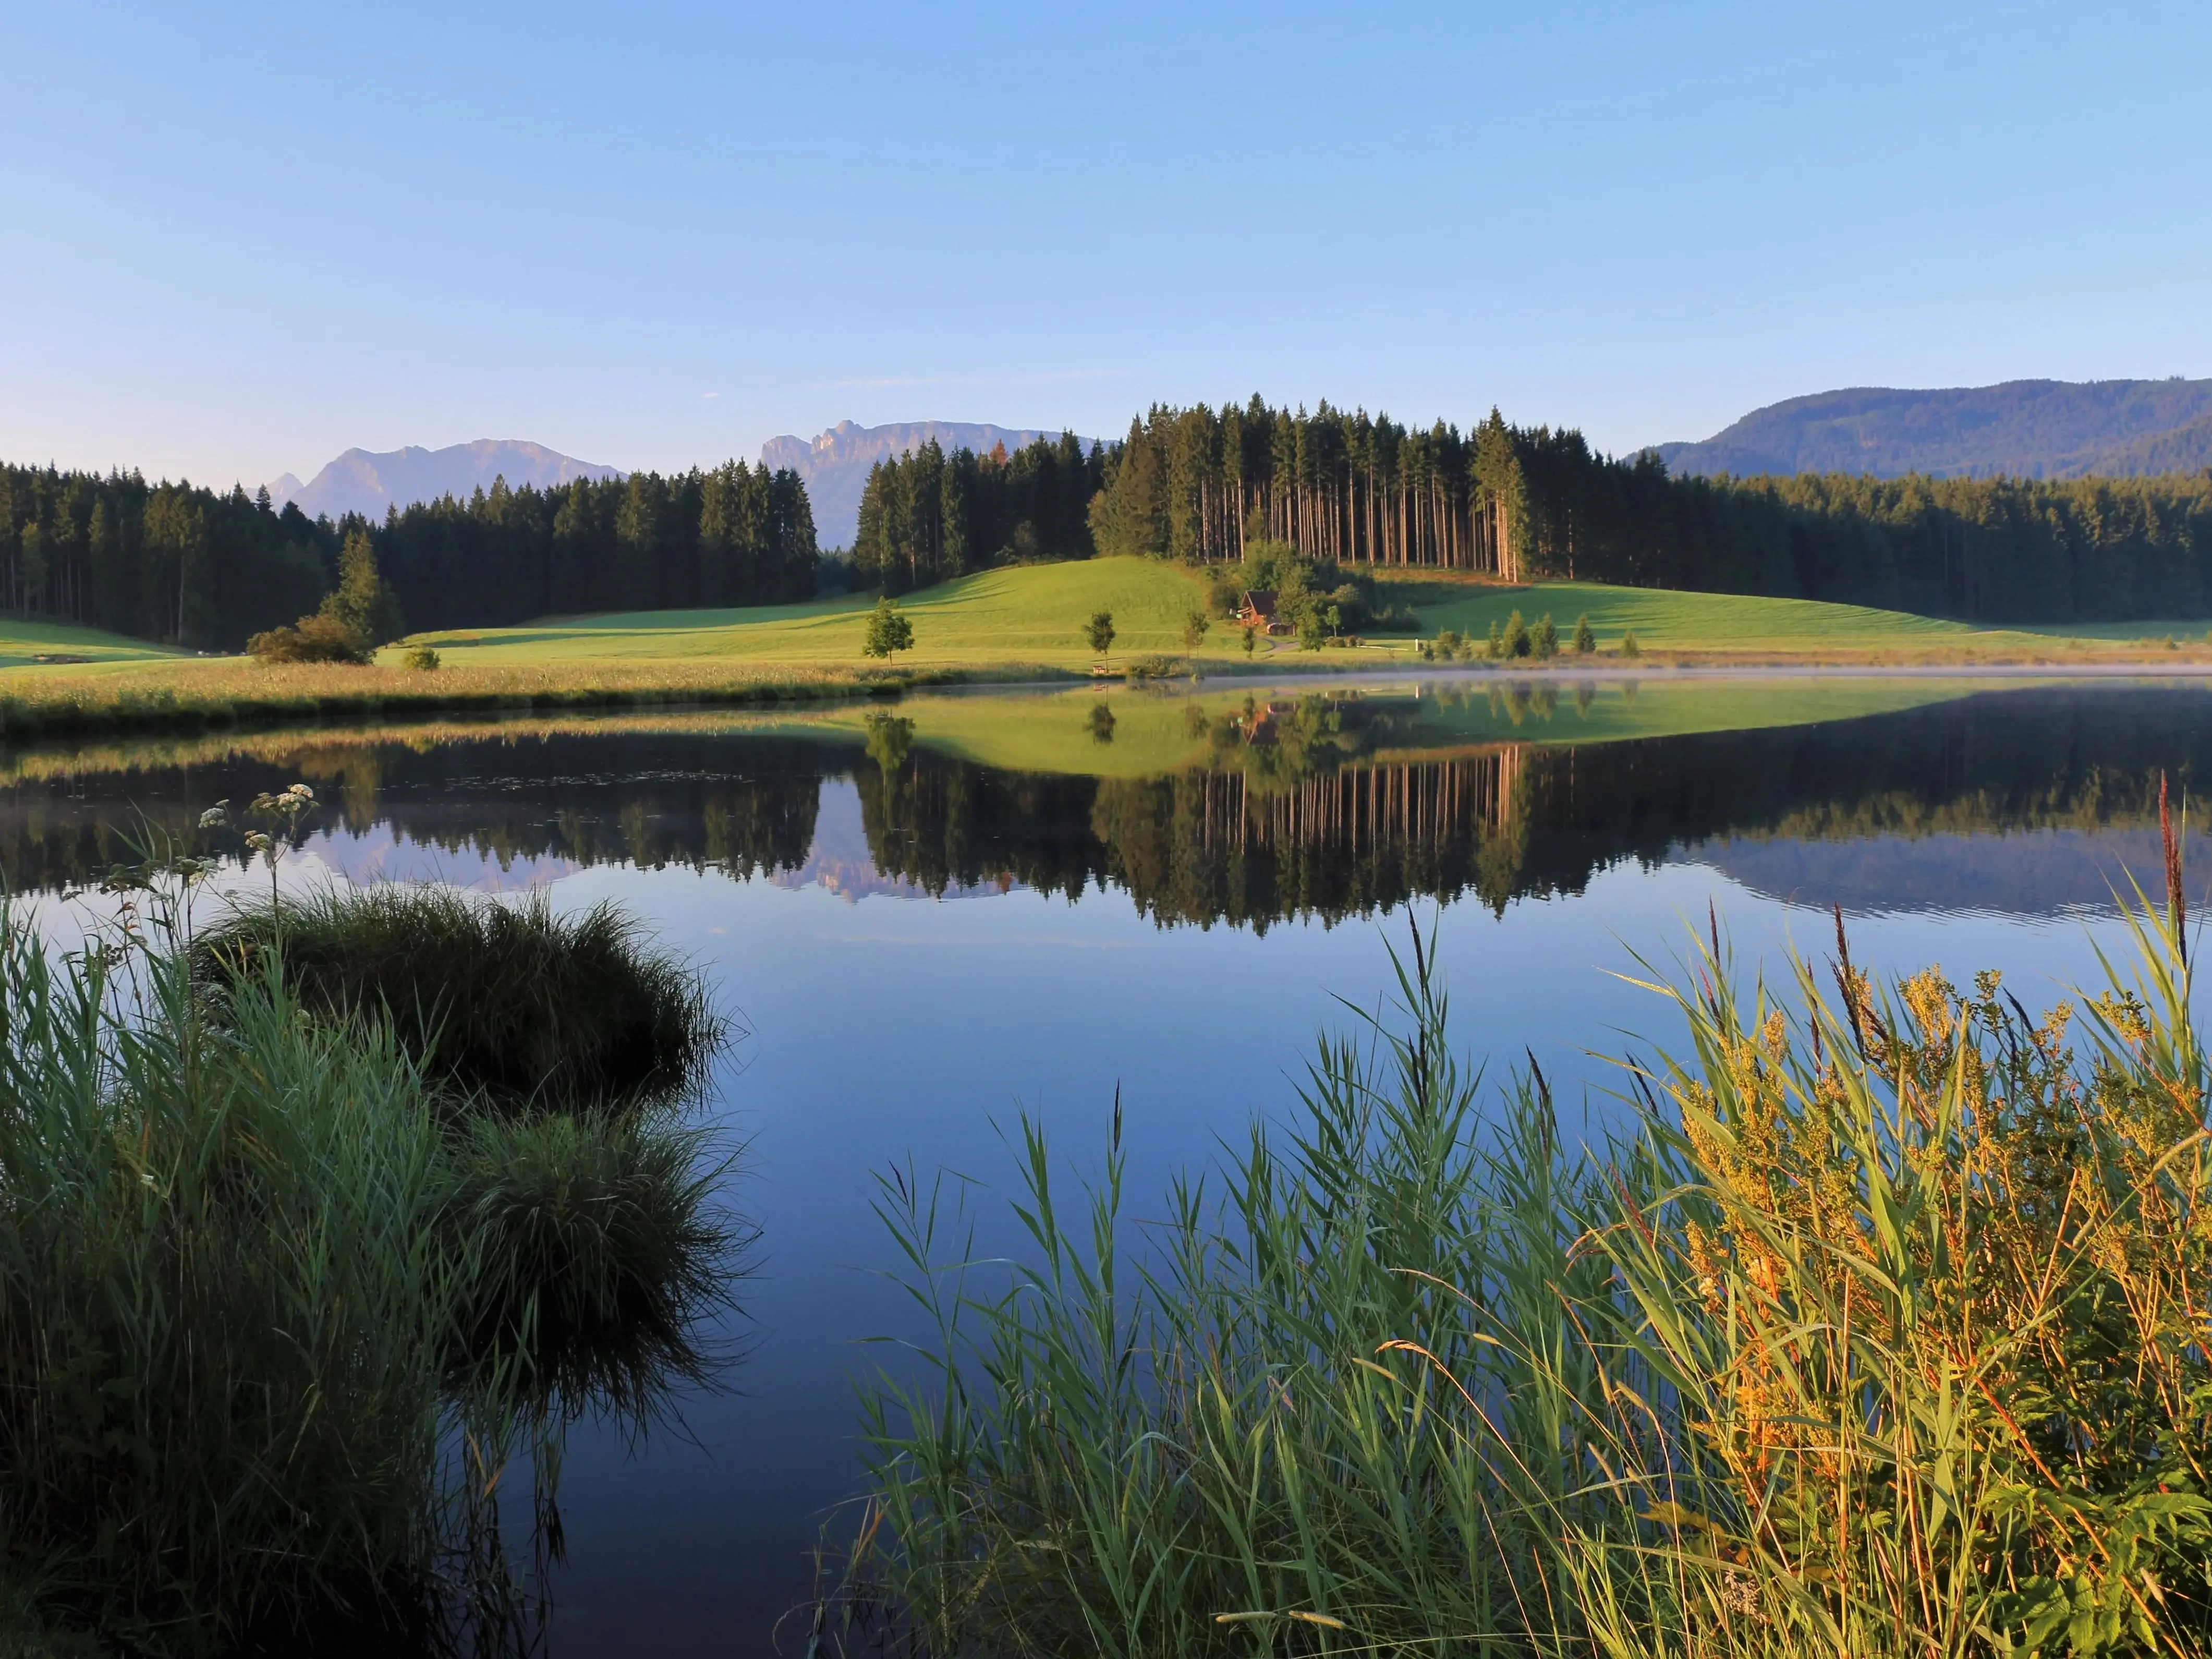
(1258, 611)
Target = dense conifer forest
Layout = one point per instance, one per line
(1524, 502)
(929, 516)
(176, 562)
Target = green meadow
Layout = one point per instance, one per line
(1026, 622)
(33, 644)
(1035, 614)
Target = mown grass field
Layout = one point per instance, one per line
(24, 644)
(1034, 615)
(1731, 625)
(1028, 613)
(1027, 622)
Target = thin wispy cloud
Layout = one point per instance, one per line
(890, 382)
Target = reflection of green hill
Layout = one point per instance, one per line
(1321, 806)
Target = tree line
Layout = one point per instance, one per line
(177, 562)
(736, 535)
(927, 517)
(1523, 503)
(162, 562)
(188, 565)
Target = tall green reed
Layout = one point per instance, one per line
(224, 1306)
(1883, 1333)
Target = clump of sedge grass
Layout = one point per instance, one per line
(274, 1316)
(513, 1002)
(1884, 1335)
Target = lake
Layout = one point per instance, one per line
(933, 915)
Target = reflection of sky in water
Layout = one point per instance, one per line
(864, 1053)
(882, 1028)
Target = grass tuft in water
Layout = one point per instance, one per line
(528, 1008)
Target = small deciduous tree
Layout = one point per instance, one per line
(1194, 630)
(1251, 641)
(1099, 631)
(889, 630)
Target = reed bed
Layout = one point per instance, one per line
(280, 1303)
(1884, 1333)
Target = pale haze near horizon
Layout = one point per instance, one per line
(243, 239)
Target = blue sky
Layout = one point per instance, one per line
(239, 240)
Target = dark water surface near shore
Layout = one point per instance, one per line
(934, 915)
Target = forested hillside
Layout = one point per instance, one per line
(174, 562)
(1524, 502)
(2023, 428)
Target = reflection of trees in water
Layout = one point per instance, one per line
(1298, 812)
(653, 802)
(1299, 807)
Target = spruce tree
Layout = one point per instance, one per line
(1518, 642)
(1545, 642)
(1585, 640)
(363, 603)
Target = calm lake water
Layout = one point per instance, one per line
(934, 915)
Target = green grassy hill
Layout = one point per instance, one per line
(1666, 620)
(27, 644)
(1030, 613)
(1035, 614)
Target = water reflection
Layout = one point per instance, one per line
(758, 846)
(1308, 807)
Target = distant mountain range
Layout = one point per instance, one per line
(2031, 428)
(362, 481)
(835, 464)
